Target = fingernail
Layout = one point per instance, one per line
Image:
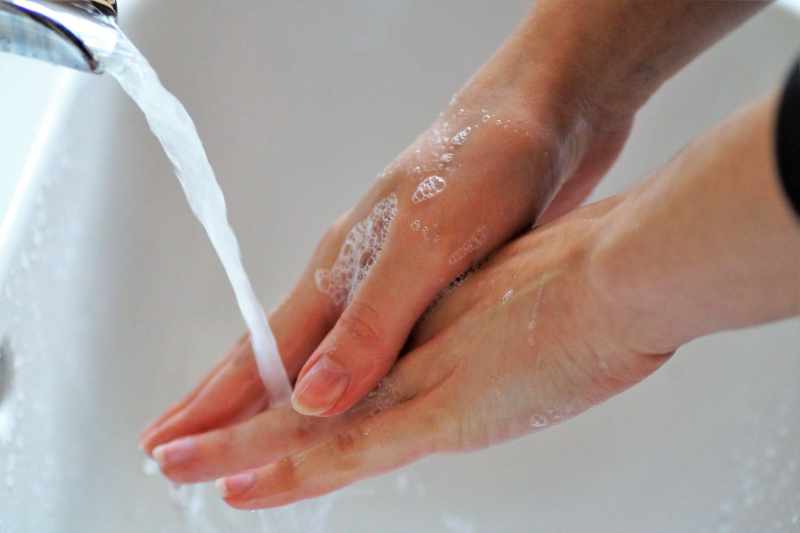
(320, 388)
(175, 452)
(235, 485)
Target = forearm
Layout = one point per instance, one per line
(710, 243)
(623, 50)
(605, 58)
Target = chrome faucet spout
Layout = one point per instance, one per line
(79, 34)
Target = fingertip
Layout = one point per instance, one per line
(146, 436)
(155, 439)
(149, 442)
(222, 489)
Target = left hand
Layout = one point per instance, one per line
(526, 342)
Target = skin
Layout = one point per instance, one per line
(583, 322)
(709, 243)
(478, 370)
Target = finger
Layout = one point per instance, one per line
(177, 406)
(232, 390)
(371, 331)
(229, 391)
(362, 449)
(277, 433)
(257, 441)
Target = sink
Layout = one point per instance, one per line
(112, 303)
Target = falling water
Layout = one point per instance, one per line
(174, 128)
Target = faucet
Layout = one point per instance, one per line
(79, 34)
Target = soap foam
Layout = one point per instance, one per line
(358, 254)
(428, 188)
(429, 233)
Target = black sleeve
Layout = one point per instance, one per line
(787, 139)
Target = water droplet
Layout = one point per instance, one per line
(428, 188)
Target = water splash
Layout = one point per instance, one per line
(173, 127)
(309, 516)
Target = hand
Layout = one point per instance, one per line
(521, 345)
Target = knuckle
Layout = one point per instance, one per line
(360, 321)
(345, 447)
(223, 445)
(286, 473)
(345, 442)
(303, 434)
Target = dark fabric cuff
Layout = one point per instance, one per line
(787, 139)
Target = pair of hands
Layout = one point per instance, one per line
(538, 334)
(495, 359)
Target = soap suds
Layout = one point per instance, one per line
(428, 188)
(429, 233)
(358, 254)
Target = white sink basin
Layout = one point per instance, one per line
(112, 303)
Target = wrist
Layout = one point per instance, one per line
(578, 61)
(551, 93)
(707, 244)
(544, 103)
(607, 58)
(629, 289)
